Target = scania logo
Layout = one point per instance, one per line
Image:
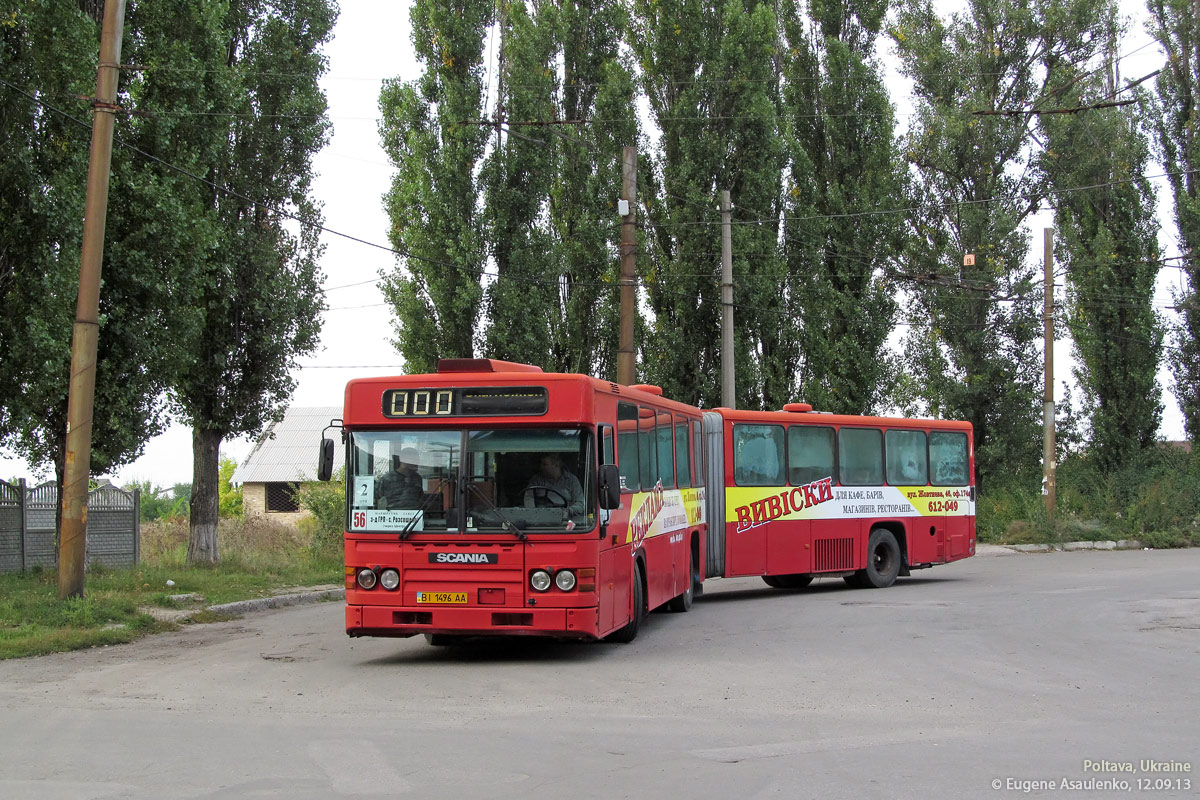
(464, 558)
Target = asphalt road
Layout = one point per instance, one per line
(1000, 670)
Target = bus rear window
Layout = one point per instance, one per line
(948, 459)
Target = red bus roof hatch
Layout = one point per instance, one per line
(482, 365)
(798, 408)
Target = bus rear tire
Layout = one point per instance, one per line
(883, 560)
(630, 631)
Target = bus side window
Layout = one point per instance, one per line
(698, 452)
(948, 458)
(906, 458)
(607, 455)
(810, 454)
(758, 455)
(666, 451)
(649, 455)
(860, 456)
(683, 454)
(627, 446)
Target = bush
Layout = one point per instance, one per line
(326, 501)
(1155, 498)
(229, 497)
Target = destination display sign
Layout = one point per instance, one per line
(482, 401)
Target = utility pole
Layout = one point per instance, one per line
(73, 538)
(728, 399)
(625, 353)
(1048, 465)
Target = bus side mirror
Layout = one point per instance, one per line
(610, 487)
(325, 460)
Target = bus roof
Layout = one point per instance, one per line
(824, 418)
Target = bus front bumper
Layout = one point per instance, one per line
(403, 621)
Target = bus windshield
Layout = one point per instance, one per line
(510, 479)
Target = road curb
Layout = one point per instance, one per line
(278, 601)
(1123, 544)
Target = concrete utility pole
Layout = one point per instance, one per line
(727, 378)
(1048, 465)
(625, 353)
(73, 541)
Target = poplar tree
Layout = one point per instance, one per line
(596, 100)
(845, 178)
(1175, 24)
(710, 76)
(258, 285)
(1107, 244)
(516, 177)
(431, 134)
(972, 346)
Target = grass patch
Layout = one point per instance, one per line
(257, 559)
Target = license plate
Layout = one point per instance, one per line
(444, 598)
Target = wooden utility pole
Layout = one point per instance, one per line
(1048, 465)
(625, 352)
(73, 537)
(728, 398)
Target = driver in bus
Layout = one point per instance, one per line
(402, 487)
(553, 486)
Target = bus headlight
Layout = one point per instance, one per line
(539, 579)
(389, 579)
(564, 579)
(366, 578)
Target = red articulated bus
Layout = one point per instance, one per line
(492, 498)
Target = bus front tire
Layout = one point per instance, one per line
(630, 631)
(683, 601)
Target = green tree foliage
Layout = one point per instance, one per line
(431, 134)
(1108, 246)
(516, 177)
(1176, 26)
(549, 202)
(709, 74)
(972, 344)
(48, 53)
(596, 86)
(258, 284)
(844, 165)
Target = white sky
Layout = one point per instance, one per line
(372, 43)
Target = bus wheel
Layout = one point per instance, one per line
(630, 631)
(883, 560)
(683, 601)
(787, 581)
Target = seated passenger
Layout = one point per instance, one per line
(402, 487)
(553, 486)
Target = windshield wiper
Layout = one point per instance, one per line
(425, 506)
(509, 525)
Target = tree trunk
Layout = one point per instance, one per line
(202, 541)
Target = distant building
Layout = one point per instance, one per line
(284, 457)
